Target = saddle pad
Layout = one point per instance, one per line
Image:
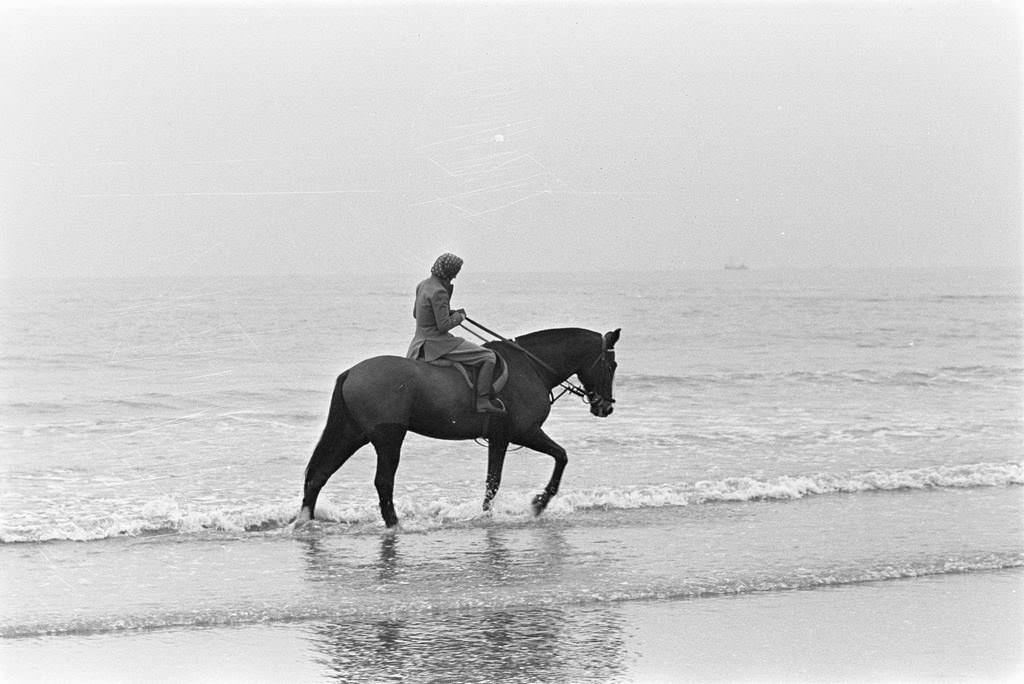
(500, 372)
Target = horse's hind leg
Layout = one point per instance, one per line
(387, 440)
(340, 439)
(329, 455)
(335, 447)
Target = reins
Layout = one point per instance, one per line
(567, 387)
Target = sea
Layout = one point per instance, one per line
(776, 432)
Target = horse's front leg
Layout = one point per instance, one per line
(495, 463)
(538, 441)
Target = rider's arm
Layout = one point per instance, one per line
(445, 318)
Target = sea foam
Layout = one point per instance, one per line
(423, 512)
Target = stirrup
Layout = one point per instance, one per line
(487, 405)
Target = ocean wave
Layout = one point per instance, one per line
(162, 516)
(410, 606)
(122, 421)
(974, 298)
(421, 513)
(947, 375)
(783, 488)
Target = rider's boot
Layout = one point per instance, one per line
(484, 403)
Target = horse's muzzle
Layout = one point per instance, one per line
(601, 407)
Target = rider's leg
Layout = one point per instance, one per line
(474, 355)
(484, 380)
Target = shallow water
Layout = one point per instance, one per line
(948, 626)
(588, 557)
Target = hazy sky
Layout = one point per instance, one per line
(197, 138)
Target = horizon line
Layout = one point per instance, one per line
(528, 271)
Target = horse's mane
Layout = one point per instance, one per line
(546, 339)
(541, 336)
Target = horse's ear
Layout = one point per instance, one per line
(611, 338)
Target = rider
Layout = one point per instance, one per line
(434, 318)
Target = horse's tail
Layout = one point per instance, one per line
(341, 437)
(336, 415)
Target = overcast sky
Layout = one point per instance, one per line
(333, 138)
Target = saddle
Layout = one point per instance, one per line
(469, 373)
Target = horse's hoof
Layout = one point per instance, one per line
(302, 521)
(540, 502)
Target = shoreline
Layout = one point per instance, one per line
(965, 626)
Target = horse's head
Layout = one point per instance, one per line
(598, 376)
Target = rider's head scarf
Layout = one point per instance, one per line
(446, 267)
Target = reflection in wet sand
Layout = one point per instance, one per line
(525, 644)
(506, 640)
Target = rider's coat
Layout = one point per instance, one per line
(434, 318)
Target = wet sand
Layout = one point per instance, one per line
(948, 627)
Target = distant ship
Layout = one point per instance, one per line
(732, 266)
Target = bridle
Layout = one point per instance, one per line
(592, 397)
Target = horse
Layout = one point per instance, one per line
(379, 400)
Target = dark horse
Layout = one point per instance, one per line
(380, 399)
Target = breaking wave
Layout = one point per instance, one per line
(800, 486)
(423, 512)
